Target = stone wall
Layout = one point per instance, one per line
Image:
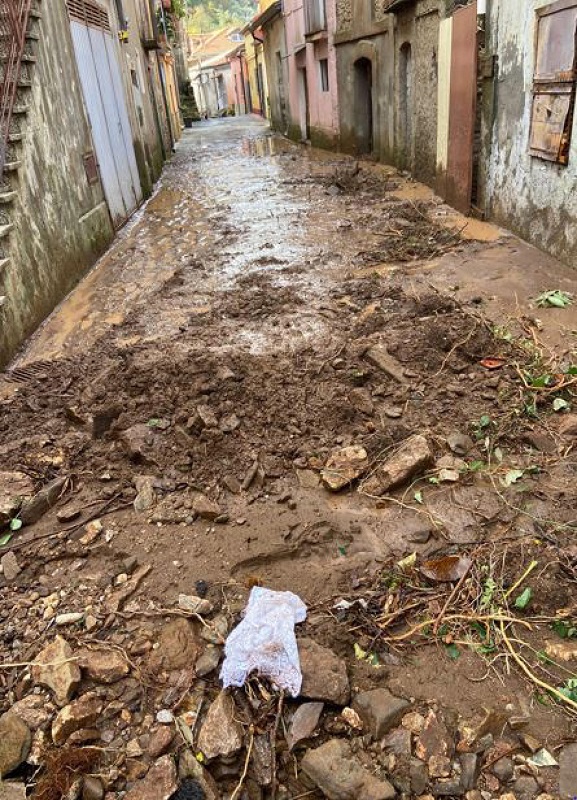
(61, 221)
(535, 198)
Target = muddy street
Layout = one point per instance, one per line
(297, 371)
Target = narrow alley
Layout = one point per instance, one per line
(300, 371)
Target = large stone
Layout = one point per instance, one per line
(379, 357)
(221, 734)
(527, 788)
(435, 741)
(15, 741)
(568, 771)
(568, 427)
(380, 710)
(92, 788)
(412, 457)
(160, 741)
(205, 507)
(10, 566)
(344, 466)
(81, 713)
(146, 495)
(178, 647)
(14, 488)
(35, 507)
(34, 711)
(55, 668)
(103, 664)
(160, 783)
(324, 674)
(137, 441)
(337, 773)
(9, 790)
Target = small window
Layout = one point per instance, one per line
(554, 82)
(324, 73)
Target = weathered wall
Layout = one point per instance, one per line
(277, 73)
(61, 222)
(535, 198)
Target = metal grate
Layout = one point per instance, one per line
(88, 12)
(34, 370)
(13, 24)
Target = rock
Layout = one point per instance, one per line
(229, 423)
(459, 443)
(412, 457)
(527, 788)
(165, 716)
(160, 783)
(81, 713)
(565, 650)
(35, 507)
(232, 484)
(398, 741)
(160, 741)
(206, 417)
(413, 722)
(352, 719)
(304, 723)
(55, 669)
(194, 605)
(380, 358)
(9, 790)
(221, 734)
(393, 412)
(103, 664)
(469, 764)
(92, 788)
(10, 566)
(217, 632)
(450, 787)
(70, 618)
(92, 531)
(418, 775)
(146, 495)
(568, 427)
(133, 749)
(68, 514)
(503, 770)
(15, 741)
(14, 488)
(344, 466)
(208, 661)
(178, 647)
(540, 441)
(380, 710)
(189, 768)
(568, 771)
(118, 598)
(308, 478)
(361, 400)
(34, 711)
(435, 740)
(205, 508)
(337, 773)
(324, 674)
(137, 441)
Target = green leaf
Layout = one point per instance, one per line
(524, 599)
(476, 466)
(540, 382)
(418, 497)
(559, 404)
(360, 654)
(373, 660)
(572, 370)
(512, 477)
(564, 629)
(15, 524)
(342, 549)
(485, 421)
(453, 651)
(5, 539)
(555, 298)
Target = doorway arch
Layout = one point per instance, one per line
(363, 94)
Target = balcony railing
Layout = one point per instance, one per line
(13, 25)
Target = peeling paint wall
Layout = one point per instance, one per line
(277, 73)
(61, 222)
(535, 198)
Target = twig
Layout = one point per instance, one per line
(450, 598)
(522, 579)
(234, 795)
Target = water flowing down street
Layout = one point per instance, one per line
(300, 371)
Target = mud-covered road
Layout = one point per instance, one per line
(298, 371)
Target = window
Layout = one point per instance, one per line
(315, 16)
(324, 73)
(554, 81)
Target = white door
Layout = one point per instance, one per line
(102, 87)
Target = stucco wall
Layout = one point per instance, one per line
(61, 222)
(277, 73)
(535, 198)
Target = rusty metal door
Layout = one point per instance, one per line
(462, 107)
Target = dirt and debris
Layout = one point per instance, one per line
(261, 386)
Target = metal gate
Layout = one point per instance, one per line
(101, 80)
(463, 94)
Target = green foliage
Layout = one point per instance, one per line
(210, 15)
(565, 629)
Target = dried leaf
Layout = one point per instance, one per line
(493, 363)
(446, 569)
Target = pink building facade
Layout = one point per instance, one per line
(302, 72)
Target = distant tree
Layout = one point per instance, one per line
(209, 15)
